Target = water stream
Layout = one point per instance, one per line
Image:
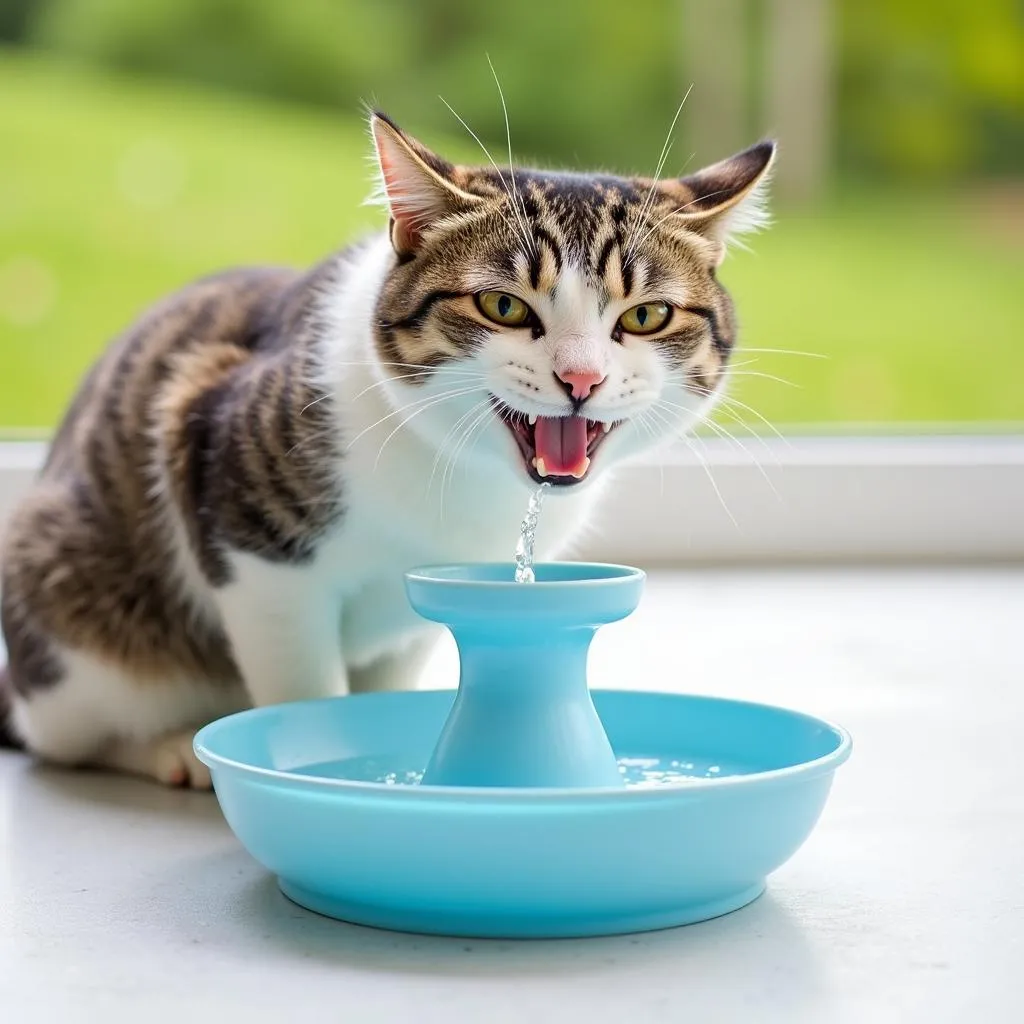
(527, 535)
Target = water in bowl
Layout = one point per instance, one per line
(638, 772)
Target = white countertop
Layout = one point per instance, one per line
(120, 901)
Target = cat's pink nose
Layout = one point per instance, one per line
(579, 385)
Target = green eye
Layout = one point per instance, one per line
(645, 318)
(503, 308)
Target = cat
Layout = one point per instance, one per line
(228, 506)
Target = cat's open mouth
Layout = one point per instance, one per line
(558, 449)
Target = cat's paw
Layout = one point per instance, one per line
(175, 763)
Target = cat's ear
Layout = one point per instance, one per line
(728, 198)
(416, 185)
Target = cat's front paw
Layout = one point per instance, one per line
(175, 763)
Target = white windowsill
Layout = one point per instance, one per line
(910, 498)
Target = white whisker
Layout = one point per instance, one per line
(649, 198)
(451, 435)
(447, 397)
(524, 232)
(425, 400)
(711, 479)
(641, 420)
(663, 417)
(753, 434)
(516, 197)
(316, 401)
(316, 436)
(677, 210)
(785, 352)
(766, 376)
(726, 435)
(728, 400)
(449, 470)
(416, 376)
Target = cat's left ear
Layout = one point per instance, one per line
(728, 198)
(418, 187)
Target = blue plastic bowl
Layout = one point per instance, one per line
(317, 792)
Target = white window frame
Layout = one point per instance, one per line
(937, 499)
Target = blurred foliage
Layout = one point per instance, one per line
(932, 88)
(926, 89)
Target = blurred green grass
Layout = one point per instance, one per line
(114, 191)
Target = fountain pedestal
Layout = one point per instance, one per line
(523, 715)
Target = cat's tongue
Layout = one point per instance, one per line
(561, 446)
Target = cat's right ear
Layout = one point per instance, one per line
(417, 186)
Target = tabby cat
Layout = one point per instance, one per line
(227, 509)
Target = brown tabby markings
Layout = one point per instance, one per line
(222, 373)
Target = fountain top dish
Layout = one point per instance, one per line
(564, 595)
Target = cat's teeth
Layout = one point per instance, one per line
(542, 470)
(584, 466)
(532, 418)
(606, 427)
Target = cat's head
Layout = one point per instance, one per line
(551, 323)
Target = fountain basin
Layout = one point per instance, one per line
(327, 796)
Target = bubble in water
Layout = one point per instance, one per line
(527, 535)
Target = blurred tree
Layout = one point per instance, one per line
(799, 95)
(718, 108)
(15, 18)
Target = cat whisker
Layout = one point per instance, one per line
(712, 422)
(426, 367)
(766, 376)
(448, 475)
(316, 401)
(412, 376)
(318, 435)
(523, 231)
(641, 421)
(786, 352)
(516, 197)
(649, 198)
(673, 213)
(447, 397)
(426, 400)
(724, 410)
(711, 479)
(732, 439)
(479, 433)
(662, 416)
(449, 470)
(728, 400)
(452, 432)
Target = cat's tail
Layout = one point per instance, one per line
(8, 738)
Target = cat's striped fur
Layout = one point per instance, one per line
(234, 492)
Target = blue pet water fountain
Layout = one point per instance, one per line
(522, 805)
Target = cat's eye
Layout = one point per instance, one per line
(646, 318)
(503, 308)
